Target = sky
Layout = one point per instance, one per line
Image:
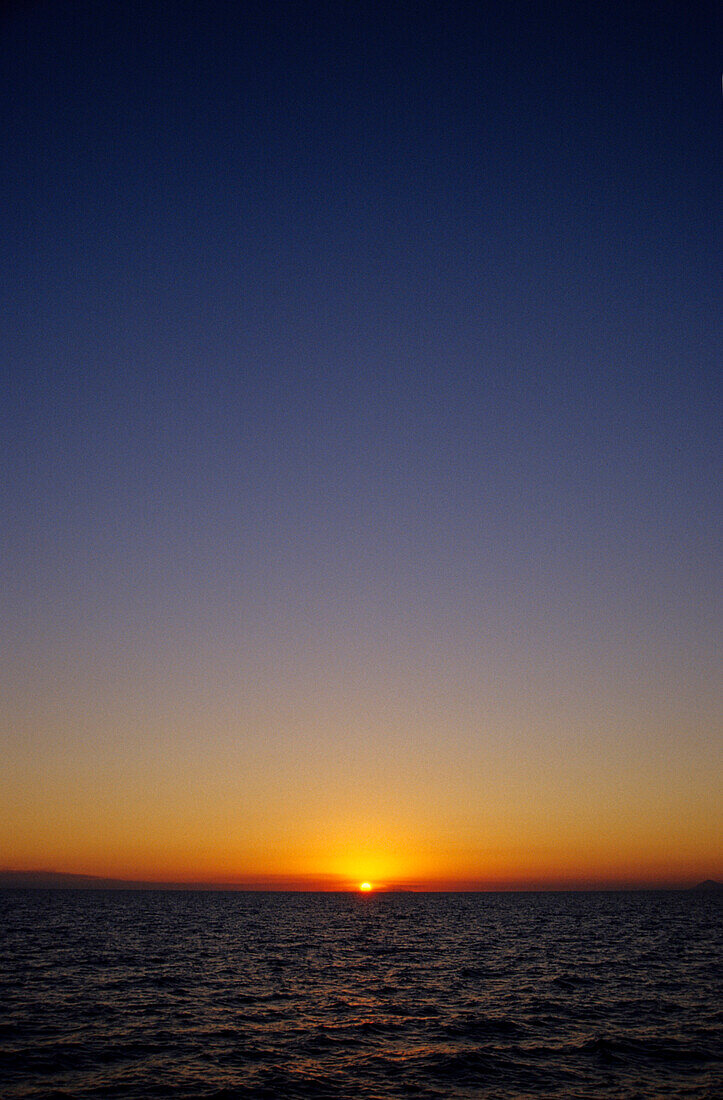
(360, 425)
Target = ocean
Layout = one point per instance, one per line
(188, 994)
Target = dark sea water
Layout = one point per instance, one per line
(161, 994)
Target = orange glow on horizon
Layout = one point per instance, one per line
(520, 870)
(488, 822)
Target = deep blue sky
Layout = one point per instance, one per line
(381, 336)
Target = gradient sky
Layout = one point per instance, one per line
(360, 417)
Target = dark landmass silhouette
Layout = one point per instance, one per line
(64, 880)
(710, 886)
(61, 880)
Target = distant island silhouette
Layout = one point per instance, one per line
(710, 886)
(63, 880)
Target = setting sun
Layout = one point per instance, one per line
(365, 886)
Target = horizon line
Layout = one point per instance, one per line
(50, 879)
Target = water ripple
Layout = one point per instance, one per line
(145, 995)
